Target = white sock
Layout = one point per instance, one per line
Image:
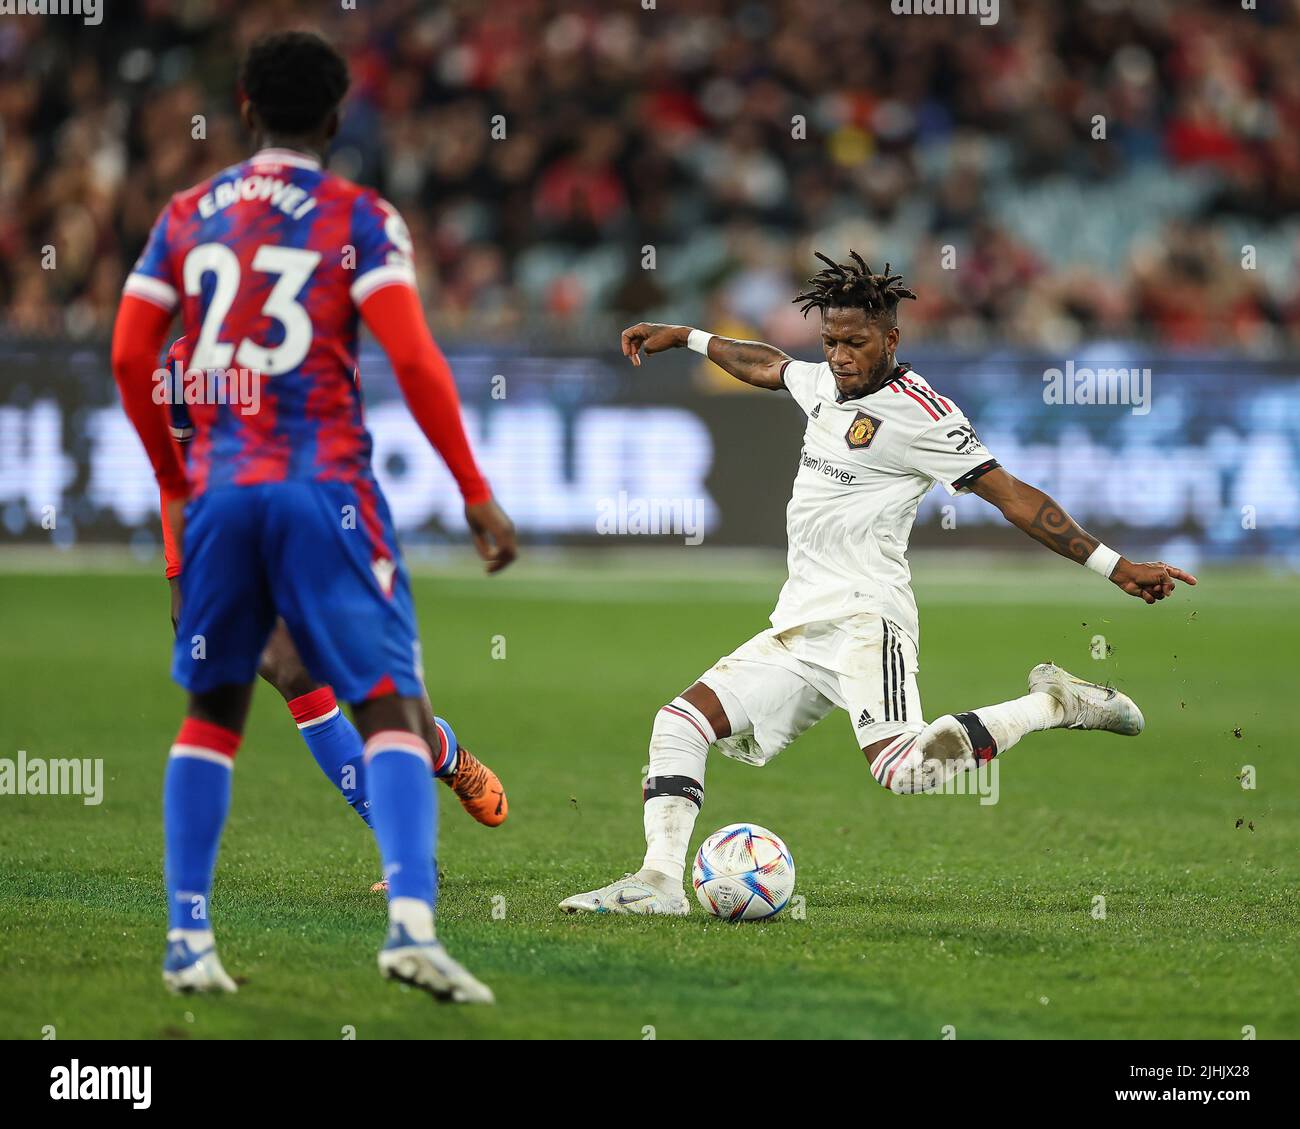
(415, 915)
(679, 747)
(1007, 722)
(196, 939)
(669, 822)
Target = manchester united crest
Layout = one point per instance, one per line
(861, 431)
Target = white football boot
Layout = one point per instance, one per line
(192, 964)
(630, 894)
(427, 965)
(1086, 704)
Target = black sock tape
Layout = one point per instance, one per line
(693, 790)
(981, 740)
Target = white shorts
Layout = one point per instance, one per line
(788, 681)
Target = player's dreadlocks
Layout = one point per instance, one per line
(295, 80)
(855, 286)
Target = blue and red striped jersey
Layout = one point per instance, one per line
(268, 262)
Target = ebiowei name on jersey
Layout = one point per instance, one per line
(824, 466)
(293, 200)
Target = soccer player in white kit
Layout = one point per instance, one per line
(844, 631)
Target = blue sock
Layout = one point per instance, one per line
(452, 761)
(335, 744)
(405, 813)
(196, 798)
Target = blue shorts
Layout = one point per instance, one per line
(321, 555)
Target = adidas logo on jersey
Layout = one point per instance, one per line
(816, 411)
(865, 719)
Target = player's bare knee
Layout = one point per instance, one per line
(290, 678)
(428, 725)
(705, 699)
(389, 712)
(872, 751)
(281, 666)
(226, 706)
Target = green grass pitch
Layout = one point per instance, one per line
(922, 913)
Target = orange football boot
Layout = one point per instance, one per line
(479, 790)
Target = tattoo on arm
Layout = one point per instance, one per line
(1058, 531)
(751, 361)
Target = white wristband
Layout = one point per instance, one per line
(1102, 560)
(698, 341)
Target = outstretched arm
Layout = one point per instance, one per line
(1042, 518)
(750, 361)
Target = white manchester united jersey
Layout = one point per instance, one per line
(864, 468)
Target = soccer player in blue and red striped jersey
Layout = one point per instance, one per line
(330, 737)
(272, 264)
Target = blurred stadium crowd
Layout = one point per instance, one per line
(733, 137)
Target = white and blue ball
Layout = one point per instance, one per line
(743, 873)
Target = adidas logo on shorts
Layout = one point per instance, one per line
(865, 719)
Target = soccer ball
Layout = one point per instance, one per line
(743, 873)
